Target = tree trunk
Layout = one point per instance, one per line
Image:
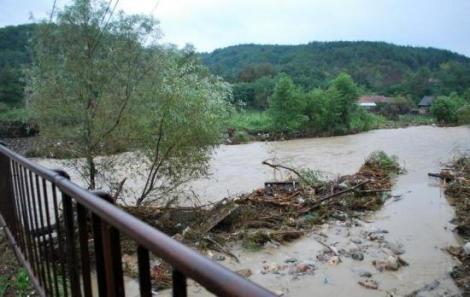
(91, 172)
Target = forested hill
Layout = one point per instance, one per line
(14, 54)
(379, 67)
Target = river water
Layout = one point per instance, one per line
(419, 221)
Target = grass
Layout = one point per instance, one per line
(406, 120)
(252, 122)
(248, 124)
(19, 283)
(15, 115)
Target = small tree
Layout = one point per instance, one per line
(286, 105)
(179, 118)
(342, 95)
(444, 109)
(463, 115)
(316, 110)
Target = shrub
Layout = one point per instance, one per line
(240, 137)
(380, 160)
(463, 115)
(445, 109)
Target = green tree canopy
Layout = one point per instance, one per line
(286, 105)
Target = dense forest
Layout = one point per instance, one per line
(377, 67)
(14, 54)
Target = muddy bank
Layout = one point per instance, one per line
(456, 179)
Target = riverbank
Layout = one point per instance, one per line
(250, 126)
(456, 179)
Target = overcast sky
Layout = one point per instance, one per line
(209, 24)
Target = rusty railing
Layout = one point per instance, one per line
(69, 239)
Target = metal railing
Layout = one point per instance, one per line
(69, 239)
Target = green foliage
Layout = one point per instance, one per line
(331, 110)
(105, 89)
(19, 283)
(3, 285)
(21, 115)
(311, 177)
(342, 95)
(444, 109)
(22, 282)
(251, 121)
(177, 120)
(240, 136)
(14, 56)
(463, 115)
(286, 106)
(361, 120)
(380, 160)
(377, 66)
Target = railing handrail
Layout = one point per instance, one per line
(213, 276)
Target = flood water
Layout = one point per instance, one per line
(419, 220)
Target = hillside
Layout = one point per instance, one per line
(377, 66)
(14, 54)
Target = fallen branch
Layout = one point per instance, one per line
(318, 202)
(277, 166)
(220, 248)
(330, 248)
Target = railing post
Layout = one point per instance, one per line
(7, 203)
(70, 241)
(111, 255)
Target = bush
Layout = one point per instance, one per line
(380, 160)
(463, 115)
(240, 137)
(445, 109)
(251, 121)
(363, 121)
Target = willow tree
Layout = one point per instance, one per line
(100, 85)
(87, 64)
(179, 118)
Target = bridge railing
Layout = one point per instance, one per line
(69, 240)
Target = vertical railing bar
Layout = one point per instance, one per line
(51, 238)
(179, 284)
(143, 261)
(84, 252)
(59, 237)
(44, 243)
(20, 239)
(112, 257)
(99, 255)
(32, 216)
(27, 218)
(12, 201)
(70, 242)
(21, 213)
(36, 229)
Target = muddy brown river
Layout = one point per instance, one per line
(418, 220)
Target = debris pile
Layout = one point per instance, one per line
(279, 212)
(457, 182)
